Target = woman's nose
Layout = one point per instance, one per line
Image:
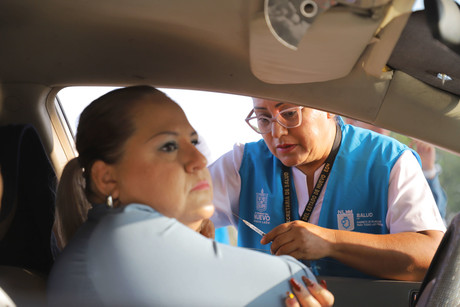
(195, 160)
(278, 130)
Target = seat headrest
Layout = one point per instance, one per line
(27, 212)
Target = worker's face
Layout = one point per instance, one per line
(301, 145)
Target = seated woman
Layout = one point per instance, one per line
(150, 191)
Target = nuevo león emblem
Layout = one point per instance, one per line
(261, 201)
(260, 216)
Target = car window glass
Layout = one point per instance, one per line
(217, 117)
(448, 169)
(219, 120)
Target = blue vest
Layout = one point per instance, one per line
(356, 198)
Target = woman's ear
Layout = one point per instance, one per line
(103, 176)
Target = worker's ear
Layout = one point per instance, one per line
(330, 115)
(103, 176)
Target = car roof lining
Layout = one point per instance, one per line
(418, 54)
(204, 45)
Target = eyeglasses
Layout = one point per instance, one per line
(288, 118)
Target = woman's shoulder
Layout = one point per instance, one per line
(139, 209)
(129, 214)
(101, 211)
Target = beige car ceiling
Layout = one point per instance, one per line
(217, 46)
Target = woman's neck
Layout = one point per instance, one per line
(196, 226)
(309, 169)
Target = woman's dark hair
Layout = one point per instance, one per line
(104, 127)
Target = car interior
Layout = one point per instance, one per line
(375, 61)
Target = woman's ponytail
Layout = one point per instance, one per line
(71, 203)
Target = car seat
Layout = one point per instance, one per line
(441, 283)
(27, 211)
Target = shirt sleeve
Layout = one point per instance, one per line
(411, 206)
(227, 186)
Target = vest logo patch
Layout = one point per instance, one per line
(367, 219)
(345, 220)
(261, 201)
(260, 216)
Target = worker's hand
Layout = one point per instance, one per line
(300, 240)
(312, 295)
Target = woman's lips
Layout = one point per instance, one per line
(285, 148)
(202, 185)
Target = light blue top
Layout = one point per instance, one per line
(135, 256)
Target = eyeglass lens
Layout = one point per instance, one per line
(288, 118)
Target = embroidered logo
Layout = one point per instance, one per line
(260, 216)
(345, 220)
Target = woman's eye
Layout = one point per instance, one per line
(196, 142)
(169, 147)
(262, 120)
(289, 114)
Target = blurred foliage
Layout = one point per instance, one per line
(450, 180)
(449, 176)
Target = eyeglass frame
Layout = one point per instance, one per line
(273, 119)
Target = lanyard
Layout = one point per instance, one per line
(286, 181)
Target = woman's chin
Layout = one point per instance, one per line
(208, 210)
(195, 218)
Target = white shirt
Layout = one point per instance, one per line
(411, 206)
